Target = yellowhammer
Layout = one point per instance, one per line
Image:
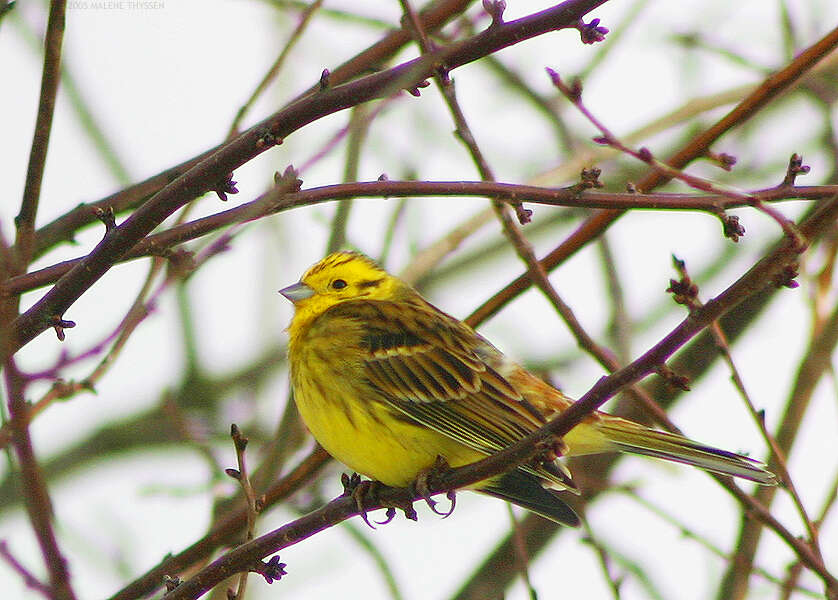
(387, 382)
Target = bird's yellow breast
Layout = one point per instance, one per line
(339, 408)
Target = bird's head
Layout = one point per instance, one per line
(341, 277)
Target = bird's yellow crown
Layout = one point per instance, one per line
(341, 277)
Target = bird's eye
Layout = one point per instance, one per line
(338, 284)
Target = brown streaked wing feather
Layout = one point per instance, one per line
(432, 369)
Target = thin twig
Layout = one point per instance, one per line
(273, 71)
(697, 147)
(35, 494)
(51, 75)
(225, 531)
(253, 505)
(358, 127)
(603, 559)
(779, 459)
(523, 559)
(705, 542)
(573, 94)
(815, 363)
(377, 556)
(29, 579)
(790, 584)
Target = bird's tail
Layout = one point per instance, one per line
(527, 491)
(634, 438)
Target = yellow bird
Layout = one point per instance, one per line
(386, 382)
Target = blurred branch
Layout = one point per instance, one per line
(697, 147)
(434, 16)
(50, 77)
(153, 428)
(815, 363)
(359, 123)
(226, 531)
(88, 120)
(377, 557)
(28, 578)
(706, 543)
(309, 11)
(33, 487)
(604, 560)
(619, 327)
(215, 172)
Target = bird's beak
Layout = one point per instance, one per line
(296, 292)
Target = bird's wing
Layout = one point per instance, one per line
(438, 372)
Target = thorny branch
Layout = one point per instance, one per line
(206, 175)
(281, 199)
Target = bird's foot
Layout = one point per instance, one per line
(366, 493)
(423, 483)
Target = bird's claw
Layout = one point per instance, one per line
(365, 492)
(359, 490)
(421, 487)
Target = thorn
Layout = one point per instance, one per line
(227, 186)
(724, 160)
(267, 140)
(171, 582)
(273, 570)
(234, 473)
(414, 91)
(106, 216)
(591, 33)
(324, 79)
(289, 179)
(495, 9)
(59, 325)
(733, 230)
(795, 168)
(786, 277)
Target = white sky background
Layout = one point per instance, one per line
(165, 84)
